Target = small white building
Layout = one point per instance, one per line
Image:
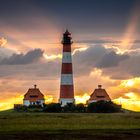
(33, 97)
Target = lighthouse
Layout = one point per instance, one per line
(66, 86)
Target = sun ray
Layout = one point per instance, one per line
(131, 30)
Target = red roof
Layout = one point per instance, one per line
(33, 95)
(99, 94)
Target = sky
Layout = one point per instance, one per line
(106, 48)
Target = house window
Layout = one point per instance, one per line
(38, 102)
(100, 96)
(33, 96)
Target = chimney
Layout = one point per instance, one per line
(35, 86)
(99, 86)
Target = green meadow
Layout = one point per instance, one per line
(70, 125)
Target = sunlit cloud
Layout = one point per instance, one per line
(130, 101)
(18, 99)
(9, 102)
(131, 95)
(49, 99)
(59, 56)
(97, 75)
(52, 57)
(115, 48)
(3, 41)
(127, 94)
(79, 49)
(82, 98)
(96, 72)
(125, 86)
(129, 83)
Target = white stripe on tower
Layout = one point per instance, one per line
(66, 57)
(66, 87)
(66, 79)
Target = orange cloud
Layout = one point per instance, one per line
(49, 99)
(127, 94)
(131, 102)
(18, 99)
(9, 103)
(82, 98)
(52, 57)
(3, 41)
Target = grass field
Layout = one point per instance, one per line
(38, 126)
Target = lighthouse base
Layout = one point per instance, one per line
(65, 101)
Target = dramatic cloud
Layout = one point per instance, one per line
(111, 60)
(111, 63)
(127, 69)
(99, 56)
(96, 57)
(19, 59)
(86, 60)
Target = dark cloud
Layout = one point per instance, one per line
(20, 59)
(96, 57)
(111, 59)
(91, 55)
(86, 60)
(35, 71)
(131, 66)
(31, 65)
(116, 66)
(127, 69)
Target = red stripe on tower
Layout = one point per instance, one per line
(66, 87)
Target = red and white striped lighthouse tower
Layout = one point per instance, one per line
(66, 87)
